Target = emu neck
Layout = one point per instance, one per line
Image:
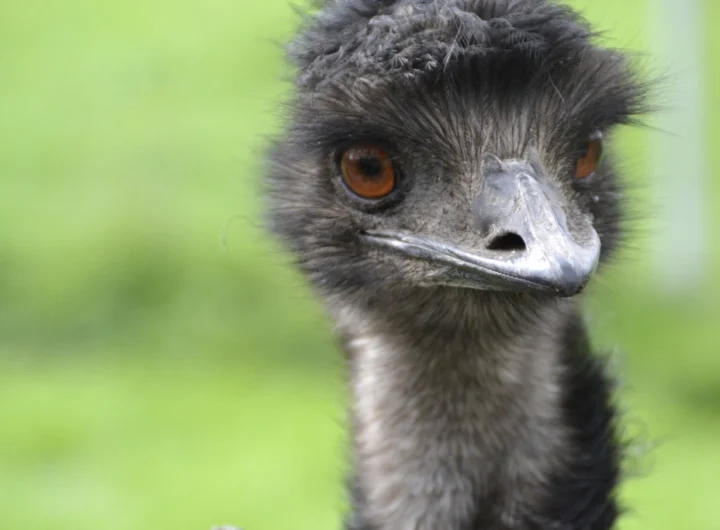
(457, 413)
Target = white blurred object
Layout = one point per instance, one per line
(678, 154)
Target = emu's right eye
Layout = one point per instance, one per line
(590, 159)
(368, 171)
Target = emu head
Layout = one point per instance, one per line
(450, 146)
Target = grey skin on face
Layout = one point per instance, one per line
(524, 240)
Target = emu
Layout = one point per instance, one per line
(442, 184)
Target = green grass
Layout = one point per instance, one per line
(160, 365)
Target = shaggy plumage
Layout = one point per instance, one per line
(474, 408)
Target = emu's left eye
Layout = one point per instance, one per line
(368, 171)
(590, 159)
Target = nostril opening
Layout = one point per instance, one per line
(507, 242)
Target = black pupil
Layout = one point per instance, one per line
(586, 151)
(370, 166)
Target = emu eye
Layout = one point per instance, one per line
(588, 162)
(368, 171)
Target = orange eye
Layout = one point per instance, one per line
(368, 171)
(588, 163)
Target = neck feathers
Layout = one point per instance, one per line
(468, 425)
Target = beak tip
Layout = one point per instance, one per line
(568, 290)
(571, 279)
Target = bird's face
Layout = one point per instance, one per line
(453, 188)
(477, 221)
(485, 175)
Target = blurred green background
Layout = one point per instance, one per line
(162, 367)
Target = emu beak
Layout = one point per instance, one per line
(525, 243)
